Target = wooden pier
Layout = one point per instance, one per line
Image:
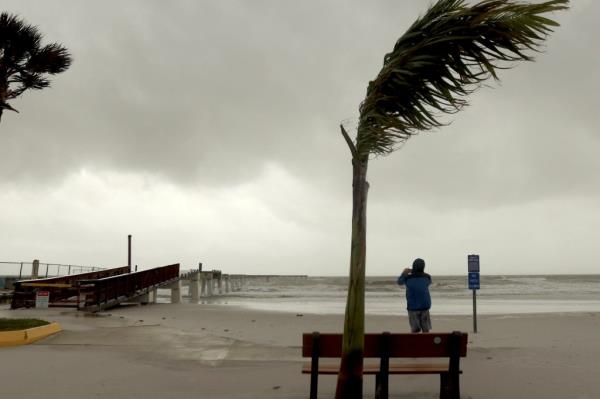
(63, 291)
(107, 288)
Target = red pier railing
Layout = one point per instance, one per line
(97, 294)
(63, 290)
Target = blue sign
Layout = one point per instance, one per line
(473, 263)
(473, 280)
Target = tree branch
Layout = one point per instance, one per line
(349, 142)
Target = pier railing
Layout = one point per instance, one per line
(21, 270)
(97, 294)
(63, 290)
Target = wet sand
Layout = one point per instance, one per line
(220, 351)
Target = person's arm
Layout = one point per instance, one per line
(402, 278)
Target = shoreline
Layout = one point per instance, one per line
(223, 351)
(441, 306)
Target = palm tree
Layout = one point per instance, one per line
(444, 56)
(24, 62)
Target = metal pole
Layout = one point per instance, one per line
(21, 270)
(35, 269)
(129, 250)
(47, 265)
(200, 266)
(475, 311)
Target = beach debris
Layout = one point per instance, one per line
(299, 315)
(276, 387)
(226, 330)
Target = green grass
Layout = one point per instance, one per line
(20, 324)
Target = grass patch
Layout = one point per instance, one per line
(20, 324)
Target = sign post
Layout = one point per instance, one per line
(473, 269)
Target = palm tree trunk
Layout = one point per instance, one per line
(350, 381)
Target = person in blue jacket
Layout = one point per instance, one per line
(418, 300)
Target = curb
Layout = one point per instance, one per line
(24, 337)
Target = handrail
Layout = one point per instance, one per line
(101, 292)
(62, 289)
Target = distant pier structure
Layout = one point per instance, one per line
(206, 284)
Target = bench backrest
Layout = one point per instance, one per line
(392, 345)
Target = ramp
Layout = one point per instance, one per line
(104, 293)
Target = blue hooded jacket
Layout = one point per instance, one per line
(417, 290)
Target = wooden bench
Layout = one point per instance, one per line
(385, 346)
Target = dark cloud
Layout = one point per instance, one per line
(208, 92)
(195, 91)
(533, 135)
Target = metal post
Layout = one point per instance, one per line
(475, 311)
(21, 271)
(69, 272)
(129, 250)
(200, 266)
(35, 269)
(47, 265)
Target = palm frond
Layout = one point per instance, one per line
(51, 59)
(24, 63)
(443, 57)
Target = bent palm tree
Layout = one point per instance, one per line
(443, 57)
(24, 63)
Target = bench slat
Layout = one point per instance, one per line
(400, 345)
(407, 368)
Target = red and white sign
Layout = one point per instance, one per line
(41, 299)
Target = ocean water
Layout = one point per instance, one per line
(450, 295)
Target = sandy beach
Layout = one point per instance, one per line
(221, 351)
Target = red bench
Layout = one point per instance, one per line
(386, 346)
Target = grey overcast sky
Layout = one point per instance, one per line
(209, 131)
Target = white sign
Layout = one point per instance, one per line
(473, 263)
(41, 299)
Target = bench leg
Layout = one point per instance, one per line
(449, 386)
(381, 386)
(314, 382)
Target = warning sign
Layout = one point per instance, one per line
(42, 298)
